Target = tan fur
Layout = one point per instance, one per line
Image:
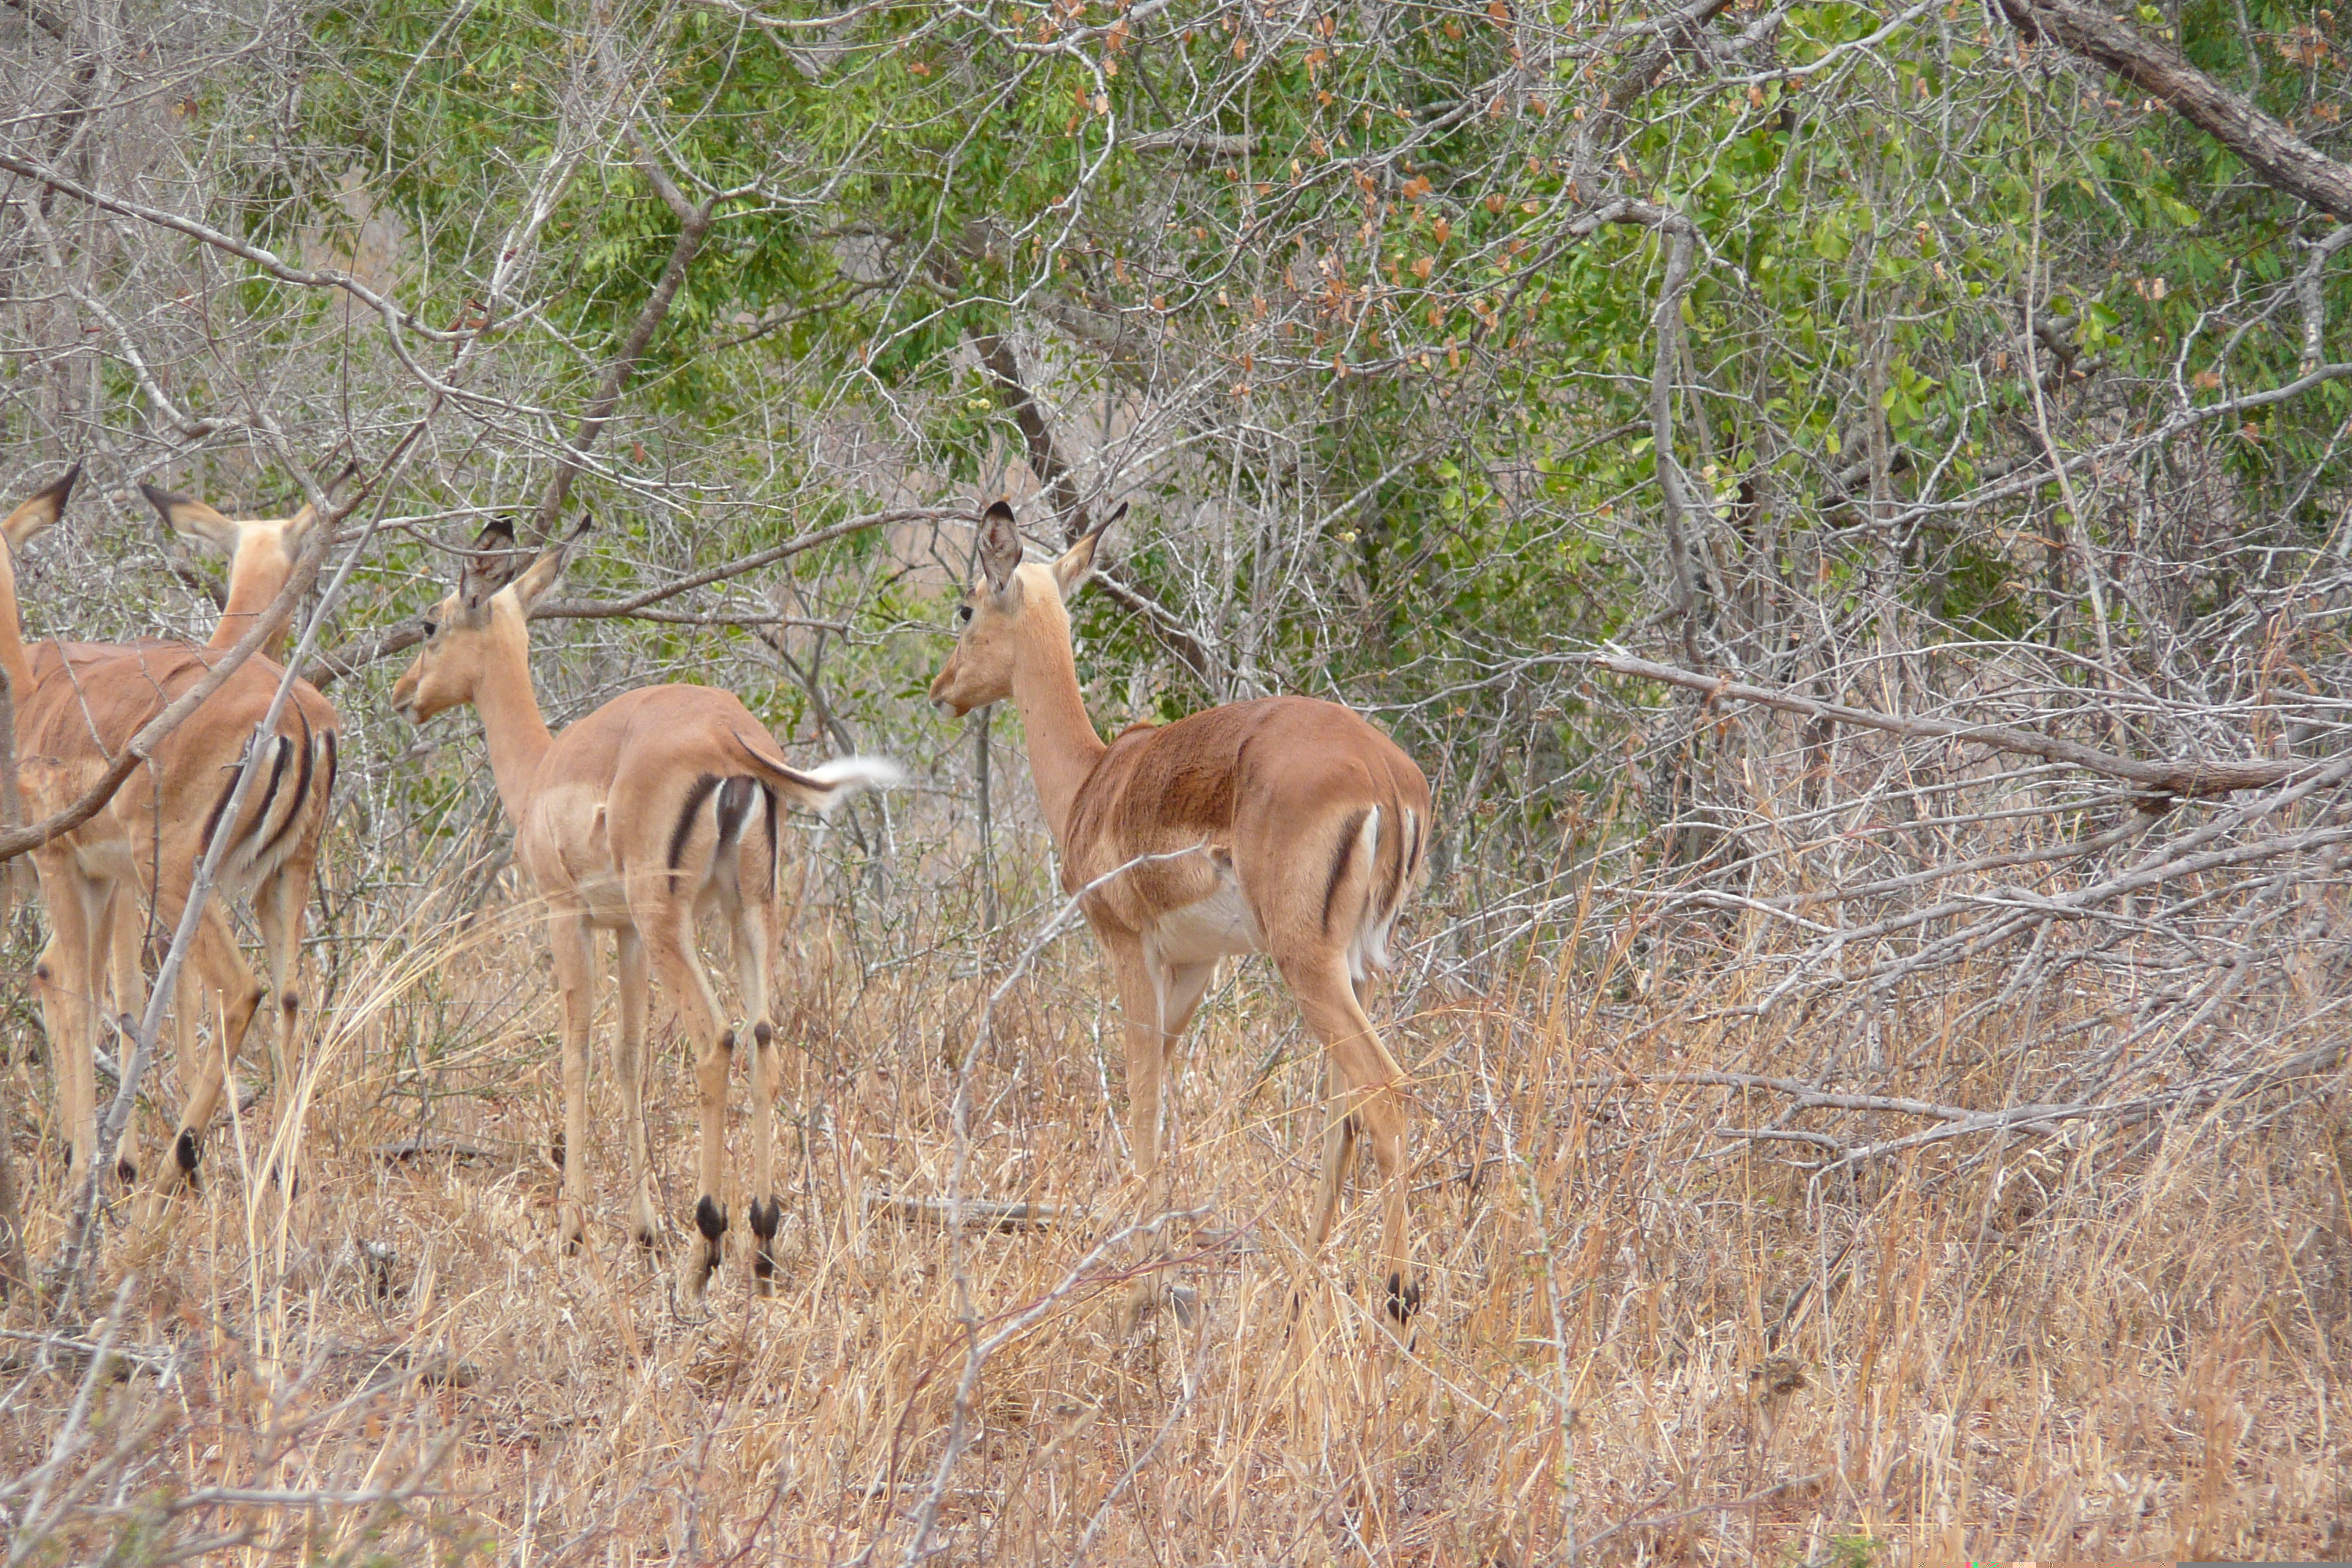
(261, 551)
(116, 884)
(1309, 830)
(658, 807)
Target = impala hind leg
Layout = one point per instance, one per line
(277, 908)
(754, 952)
(1371, 1106)
(669, 934)
(567, 941)
(629, 1076)
(214, 967)
(1338, 1148)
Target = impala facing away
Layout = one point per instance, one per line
(125, 873)
(1314, 825)
(657, 808)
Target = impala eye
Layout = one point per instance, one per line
(963, 612)
(431, 626)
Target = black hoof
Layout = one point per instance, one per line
(1405, 1299)
(765, 1219)
(710, 1220)
(761, 1034)
(645, 1239)
(571, 1245)
(126, 1171)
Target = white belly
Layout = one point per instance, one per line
(1218, 926)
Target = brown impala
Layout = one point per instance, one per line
(658, 807)
(1314, 825)
(135, 861)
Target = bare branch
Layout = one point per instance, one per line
(2188, 779)
(2155, 65)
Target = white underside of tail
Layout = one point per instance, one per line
(1367, 950)
(849, 776)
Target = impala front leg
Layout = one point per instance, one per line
(65, 980)
(1156, 1003)
(569, 940)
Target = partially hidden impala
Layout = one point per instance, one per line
(659, 807)
(129, 869)
(1284, 825)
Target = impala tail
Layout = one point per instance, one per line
(1383, 873)
(824, 788)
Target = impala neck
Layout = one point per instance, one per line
(257, 572)
(19, 669)
(251, 586)
(1063, 745)
(518, 736)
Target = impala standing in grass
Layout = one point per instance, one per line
(658, 807)
(128, 868)
(1311, 829)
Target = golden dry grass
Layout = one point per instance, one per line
(1644, 1341)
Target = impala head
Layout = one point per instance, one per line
(486, 617)
(1010, 608)
(260, 550)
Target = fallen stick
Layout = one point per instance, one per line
(994, 1214)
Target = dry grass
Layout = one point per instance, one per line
(1644, 1339)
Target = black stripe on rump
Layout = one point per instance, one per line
(1340, 865)
(212, 821)
(695, 796)
(277, 776)
(775, 845)
(327, 789)
(301, 796)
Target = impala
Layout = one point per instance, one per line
(658, 807)
(129, 869)
(1306, 828)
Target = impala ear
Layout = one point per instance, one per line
(544, 572)
(38, 511)
(491, 566)
(299, 523)
(191, 519)
(1000, 546)
(1077, 563)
